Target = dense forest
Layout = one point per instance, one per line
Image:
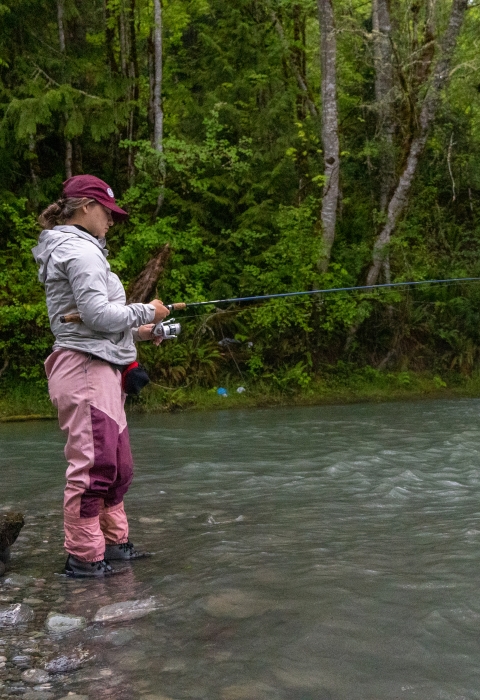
(260, 146)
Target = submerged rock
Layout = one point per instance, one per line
(127, 610)
(236, 604)
(66, 664)
(18, 614)
(74, 696)
(119, 637)
(38, 695)
(255, 690)
(59, 624)
(35, 676)
(18, 581)
(22, 661)
(2, 568)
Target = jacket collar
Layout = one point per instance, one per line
(99, 242)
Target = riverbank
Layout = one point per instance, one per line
(29, 401)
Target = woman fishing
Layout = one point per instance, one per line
(85, 370)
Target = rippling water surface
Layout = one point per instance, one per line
(327, 553)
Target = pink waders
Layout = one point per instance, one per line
(90, 401)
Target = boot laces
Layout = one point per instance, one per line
(128, 547)
(102, 565)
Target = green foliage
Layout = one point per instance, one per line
(241, 181)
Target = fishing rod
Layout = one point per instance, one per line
(169, 329)
(174, 307)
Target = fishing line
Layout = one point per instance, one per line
(330, 291)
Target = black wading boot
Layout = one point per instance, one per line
(124, 552)
(76, 568)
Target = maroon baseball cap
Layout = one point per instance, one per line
(93, 188)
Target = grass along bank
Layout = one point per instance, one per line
(25, 401)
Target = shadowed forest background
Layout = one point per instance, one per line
(259, 146)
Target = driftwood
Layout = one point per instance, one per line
(10, 526)
(142, 289)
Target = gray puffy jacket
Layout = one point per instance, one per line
(77, 277)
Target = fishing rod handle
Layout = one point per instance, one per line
(70, 318)
(179, 306)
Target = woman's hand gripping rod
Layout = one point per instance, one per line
(164, 329)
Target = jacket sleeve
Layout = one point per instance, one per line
(87, 274)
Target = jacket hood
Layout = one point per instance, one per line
(49, 239)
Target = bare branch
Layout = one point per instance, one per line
(5, 366)
(449, 163)
(54, 82)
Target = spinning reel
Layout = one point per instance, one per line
(166, 329)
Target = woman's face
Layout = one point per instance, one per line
(98, 219)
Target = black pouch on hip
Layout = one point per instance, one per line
(134, 378)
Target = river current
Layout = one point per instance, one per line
(325, 553)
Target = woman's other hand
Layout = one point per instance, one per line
(145, 333)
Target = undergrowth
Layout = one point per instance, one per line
(340, 384)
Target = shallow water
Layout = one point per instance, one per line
(327, 553)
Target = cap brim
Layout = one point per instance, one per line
(117, 213)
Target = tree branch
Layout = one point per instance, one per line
(428, 112)
(143, 287)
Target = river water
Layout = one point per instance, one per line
(326, 553)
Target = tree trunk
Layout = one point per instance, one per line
(158, 77)
(63, 49)
(157, 96)
(142, 289)
(151, 85)
(110, 38)
(61, 26)
(299, 77)
(427, 115)
(330, 142)
(134, 92)
(122, 32)
(68, 158)
(383, 60)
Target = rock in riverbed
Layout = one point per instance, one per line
(66, 664)
(37, 695)
(236, 604)
(10, 526)
(13, 615)
(127, 610)
(34, 676)
(18, 581)
(59, 624)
